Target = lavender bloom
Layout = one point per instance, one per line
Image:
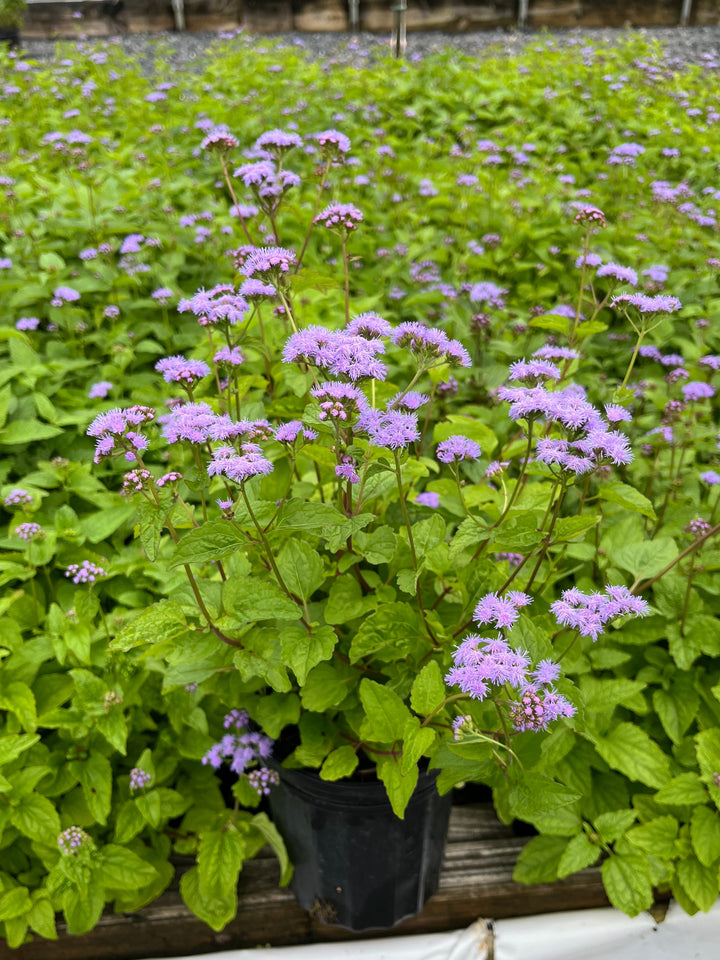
(590, 215)
(513, 559)
(136, 480)
(163, 295)
(65, 295)
(253, 290)
(341, 217)
(242, 747)
(347, 470)
(430, 345)
(338, 401)
(17, 497)
(290, 431)
(556, 353)
(645, 304)
(98, 391)
(28, 531)
(269, 263)
(180, 370)
(251, 463)
(411, 400)
(590, 260)
(710, 477)
(336, 352)
(588, 613)
(501, 612)
(698, 527)
(533, 370)
(458, 447)
(277, 142)
(220, 139)
(132, 243)
(5, 263)
(139, 778)
(85, 572)
(697, 390)
(263, 780)
(488, 293)
(333, 144)
(614, 270)
(388, 429)
(232, 356)
(617, 414)
(430, 499)
(27, 323)
(73, 839)
(189, 421)
(371, 326)
(710, 361)
(219, 305)
(657, 273)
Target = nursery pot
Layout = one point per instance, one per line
(357, 865)
(10, 36)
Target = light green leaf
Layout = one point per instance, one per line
(399, 786)
(677, 705)
(626, 496)
(36, 817)
(574, 528)
(428, 689)
(129, 822)
(327, 685)
(630, 750)
(220, 859)
(18, 698)
(301, 568)
(83, 908)
(416, 741)
(705, 835)
(13, 745)
(272, 837)
(645, 559)
(101, 524)
(27, 431)
(161, 622)
(627, 883)
(699, 882)
(247, 599)
(385, 713)
(539, 860)
(657, 837)
(216, 912)
(41, 919)
(534, 795)
(469, 427)
(578, 854)
(303, 650)
(14, 903)
(339, 763)
(121, 869)
(394, 624)
(613, 824)
(95, 776)
(687, 788)
(345, 601)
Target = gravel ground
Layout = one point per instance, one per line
(688, 45)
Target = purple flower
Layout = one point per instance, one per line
(556, 353)
(178, 369)
(588, 613)
(336, 352)
(290, 431)
(697, 390)
(139, 778)
(347, 470)
(98, 391)
(428, 499)
(430, 345)
(65, 294)
(253, 290)
(338, 401)
(73, 839)
(189, 421)
(614, 270)
(590, 260)
(28, 531)
(27, 323)
(268, 263)
(220, 305)
(85, 572)
(232, 356)
(501, 612)
(277, 142)
(390, 428)
(645, 304)
(242, 747)
(341, 217)
(17, 497)
(251, 463)
(533, 370)
(172, 477)
(132, 243)
(220, 139)
(458, 447)
(332, 143)
(710, 477)
(657, 273)
(488, 293)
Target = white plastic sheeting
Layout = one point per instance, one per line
(577, 935)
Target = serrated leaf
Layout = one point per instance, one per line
(687, 788)
(699, 882)
(220, 858)
(327, 685)
(573, 528)
(41, 919)
(705, 835)
(303, 651)
(19, 699)
(248, 599)
(13, 745)
(630, 750)
(36, 817)
(216, 912)
(385, 713)
(27, 431)
(626, 496)
(677, 706)
(657, 837)
(394, 624)
(613, 824)
(162, 621)
(399, 786)
(416, 741)
(578, 854)
(339, 763)
(83, 908)
(14, 903)
(647, 558)
(301, 568)
(95, 777)
(428, 689)
(213, 540)
(534, 795)
(627, 883)
(539, 860)
(129, 822)
(120, 868)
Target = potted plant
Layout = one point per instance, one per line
(326, 568)
(12, 14)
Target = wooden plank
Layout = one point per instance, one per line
(476, 882)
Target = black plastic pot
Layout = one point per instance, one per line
(10, 36)
(357, 865)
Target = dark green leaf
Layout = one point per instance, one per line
(213, 540)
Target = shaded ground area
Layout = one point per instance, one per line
(689, 45)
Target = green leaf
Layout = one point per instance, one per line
(311, 517)
(627, 883)
(220, 859)
(705, 835)
(27, 431)
(657, 837)
(417, 740)
(271, 836)
(613, 824)
(626, 496)
(103, 523)
(578, 854)
(630, 750)
(539, 860)
(339, 763)
(216, 912)
(37, 818)
(534, 795)
(14, 903)
(18, 698)
(428, 689)
(428, 534)
(385, 713)
(399, 786)
(303, 650)
(574, 528)
(95, 776)
(41, 919)
(13, 745)
(247, 599)
(113, 726)
(377, 547)
(301, 568)
(518, 534)
(162, 621)
(687, 788)
(150, 807)
(549, 321)
(708, 754)
(120, 868)
(345, 601)
(644, 560)
(129, 822)
(327, 685)
(83, 908)
(699, 882)
(677, 706)
(394, 624)
(151, 519)
(213, 540)
(275, 711)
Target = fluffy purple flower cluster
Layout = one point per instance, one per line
(251, 462)
(646, 304)
(73, 839)
(698, 527)
(337, 352)
(139, 778)
(28, 531)
(589, 612)
(458, 447)
(179, 369)
(338, 401)
(341, 217)
(17, 498)
(388, 428)
(85, 572)
(333, 144)
(482, 663)
(263, 780)
(269, 264)
(697, 390)
(277, 142)
(117, 428)
(136, 480)
(242, 747)
(430, 345)
(220, 306)
(220, 139)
